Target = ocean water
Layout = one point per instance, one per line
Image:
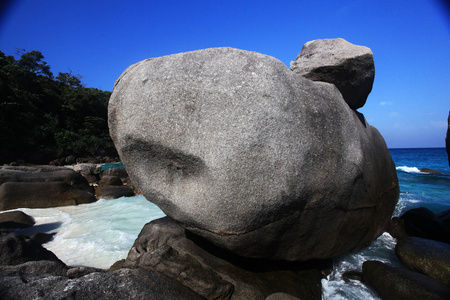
(100, 233)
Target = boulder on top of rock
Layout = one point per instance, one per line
(41, 187)
(349, 67)
(245, 153)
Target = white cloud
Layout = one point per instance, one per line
(394, 114)
(439, 124)
(385, 103)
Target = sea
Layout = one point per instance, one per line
(101, 233)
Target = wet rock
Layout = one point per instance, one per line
(430, 171)
(349, 67)
(429, 257)
(242, 151)
(398, 283)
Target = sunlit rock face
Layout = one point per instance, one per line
(245, 153)
(349, 67)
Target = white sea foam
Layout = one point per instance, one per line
(335, 287)
(408, 169)
(96, 234)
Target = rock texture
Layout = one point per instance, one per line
(349, 67)
(400, 283)
(429, 257)
(29, 271)
(41, 187)
(423, 223)
(166, 247)
(247, 154)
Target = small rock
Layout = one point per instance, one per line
(16, 219)
(114, 192)
(430, 171)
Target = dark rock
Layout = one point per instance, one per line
(349, 67)
(423, 223)
(281, 296)
(430, 171)
(16, 219)
(121, 284)
(41, 187)
(42, 238)
(16, 248)
(396, 283)
(107, 180)
(36, 267)
(168, 248)
(114, 192)
(354, 275)
(70, 160)
(397, 228)
(447, 139)
(81, 271)
(444, 218)
(429, 257)
(245, 153)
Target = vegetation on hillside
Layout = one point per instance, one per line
(43, 117)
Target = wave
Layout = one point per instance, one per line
(408, 169)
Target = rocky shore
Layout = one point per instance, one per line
(265, 174)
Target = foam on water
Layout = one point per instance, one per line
(96, 234)
(408, 169)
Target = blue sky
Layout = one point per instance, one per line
(410, 99)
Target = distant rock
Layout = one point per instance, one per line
(167, 248)
(349, 67)
(401, 283)
(242, 151)
(42, 187)
(90, 171)
(16, 219)
(429, 257)
(447, 139)
(430, 171)
(114, 192)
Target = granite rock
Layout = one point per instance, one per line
(349, 67)
(242, 151)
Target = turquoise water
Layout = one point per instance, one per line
(101, 233)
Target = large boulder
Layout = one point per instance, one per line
(41, 187)
(166, 247)
(245, 153)
(349, 67)
(422, 222)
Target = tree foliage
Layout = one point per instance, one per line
(43, 118)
